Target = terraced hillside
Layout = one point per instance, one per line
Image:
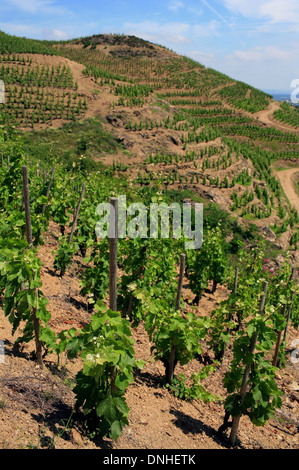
(188, 126)
(106, 115)
(182, 125)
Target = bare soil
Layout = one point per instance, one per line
(266, 116)
(37, 405)
(288, 179)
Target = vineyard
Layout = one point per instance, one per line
(37, 94)
(288, 114)
(108, 336)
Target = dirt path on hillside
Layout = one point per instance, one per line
(266, 116)
(287, 180)
(100, 99)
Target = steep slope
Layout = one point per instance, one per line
(287, 179)
(180, 125)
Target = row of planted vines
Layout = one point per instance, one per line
(249, 328)
(288, 114)
(239, 166)
(38, 94)
(180, 78)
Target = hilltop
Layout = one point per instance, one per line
(122, 114)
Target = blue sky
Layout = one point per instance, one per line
(256, 41)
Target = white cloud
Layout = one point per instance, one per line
(275, 11)
(205, 58)
(34, 31)
(259, 53)
(251, 54)
(278, 11)
(176, 32)
(35, 6)
(176, 5)
(54, 34)
(206, 29)
(20, 29)
(201, 55)
(153, 31)
(243, 7)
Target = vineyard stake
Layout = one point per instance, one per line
(177, 307)
(243, 389)
(30, 243)
(77, 213)
(181, 278)
(236, 280)
(113, 238)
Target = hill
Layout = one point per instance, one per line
(125, 116)
(161, 107)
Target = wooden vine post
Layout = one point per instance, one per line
(277, 346)
(38, 344)
(243, 389)
(236, 280)
(113, 241)
(170, 372)
(77, 213)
